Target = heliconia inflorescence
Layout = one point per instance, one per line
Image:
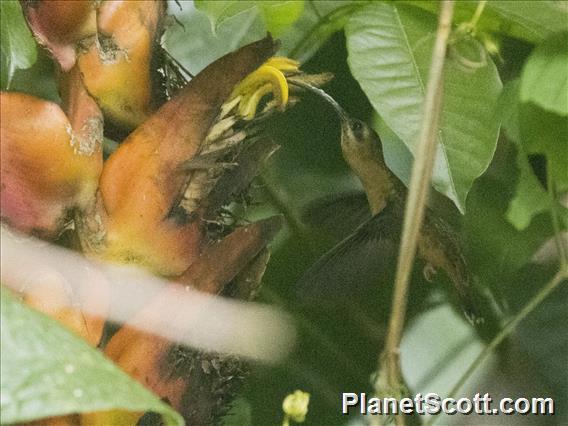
(151, 203)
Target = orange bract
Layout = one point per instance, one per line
(44, 173)
(60, 25)
(143, 179)
(117, 68)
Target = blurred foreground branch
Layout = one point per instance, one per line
(184, 315)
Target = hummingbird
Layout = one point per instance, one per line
(438, 245)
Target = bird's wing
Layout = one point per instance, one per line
(338, 214)
(356, 263)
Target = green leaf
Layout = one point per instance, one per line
(196, 46)
(240, 413)
(389, 49)
(320, 20)
(279, 15)
(220, 11)
(497, 248)
(47, 371)
(546, 133)
(276, 15)
(17, 47)
(532, 21)
(530, 197)
(545, 75)
(509, 111)
(397, 156)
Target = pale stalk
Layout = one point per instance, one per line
(389, 363)
(478, 12)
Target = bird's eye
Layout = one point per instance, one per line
(357, 128)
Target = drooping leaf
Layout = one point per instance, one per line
(545, 75)
(486, 226)
(47, 371)
(546, 133)
(277, 15)
(389, 54)
(397, 156)
(530, 198)
(18, 47)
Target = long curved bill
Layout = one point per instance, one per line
(322, 94)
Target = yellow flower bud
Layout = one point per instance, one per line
(295, 406)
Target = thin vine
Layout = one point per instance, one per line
(560, 276)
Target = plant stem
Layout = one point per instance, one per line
(506, 331)
(389, 362)
(478, 11)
